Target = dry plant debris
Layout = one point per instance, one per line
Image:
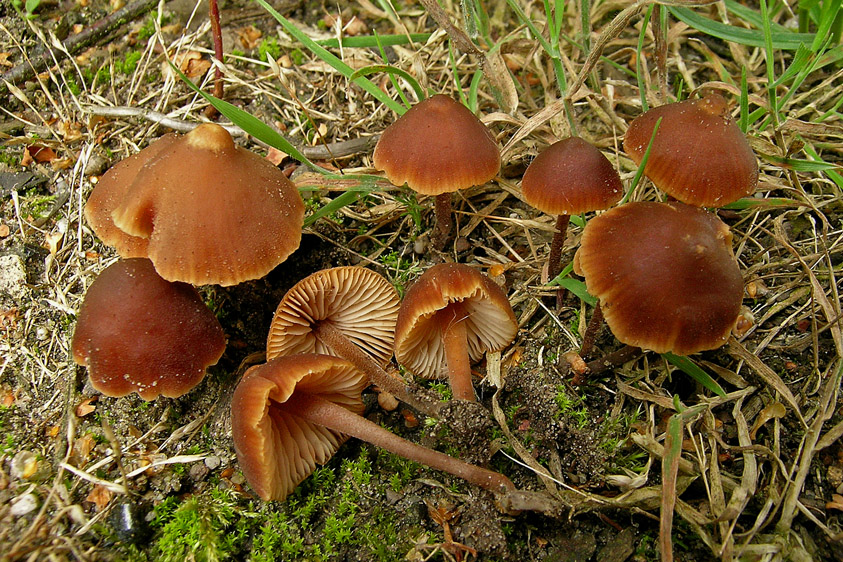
(755, 473)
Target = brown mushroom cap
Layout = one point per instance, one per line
(277, 449)
(665, 275)
(570, 177)
(109, 193)
(137, 332)
(490, 322)
(438, 146)
(359, 302)
(212, 212)
(699, 155)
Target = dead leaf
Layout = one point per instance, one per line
(99, 496)
(37, 153)
(4, 230)
(61, 164)
(774, 410)
(82, 447)
(276, 156)
(4, 59)
(192, 64)
(8, 398)
(86, 407)
(70, 131)
(52, 242)
(835, 503)
(249, 36)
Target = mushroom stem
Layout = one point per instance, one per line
(319, 411)
(452, 322)
(591, 330)
(554, 260)
(328, 334)
(444, 221)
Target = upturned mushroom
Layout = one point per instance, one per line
(209, 211)
(295, 411)
(568, 178)
(348, 312)
(451, 316)
(699, 156)
(436, 148)
(137, 332)
(665, 275)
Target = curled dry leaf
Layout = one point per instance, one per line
(835, 503)
(774, 410)
(99, 496)
(249, 36)
(86, 407)
(37, 153)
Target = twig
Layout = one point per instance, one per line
(43, 56)
(339, 149)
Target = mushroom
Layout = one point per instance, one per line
(699, 156)
(211, 212)
(451, 316)
(569, 177)
(664, 274)
(295, 411)
(436, 148)
(348, 312)
(137, 332)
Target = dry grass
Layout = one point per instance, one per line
(758, 467)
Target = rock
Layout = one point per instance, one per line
(24, 504)
(12, 278)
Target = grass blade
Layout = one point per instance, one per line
(372, 41)
(695, 372)
(782, 40)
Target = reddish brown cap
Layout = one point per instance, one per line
(571, 177)
(699, 155)
(490, 324)
(212, 212)
(665, 275)
(110, 191)
(137, 332)
(359, 302)
(438, 146)
(275, 448)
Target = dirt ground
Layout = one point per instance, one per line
(88, 477)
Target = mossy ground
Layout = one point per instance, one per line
(94, 478)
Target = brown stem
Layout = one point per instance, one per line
(614, 359)
(216, 33)
(554, 260)
(322, 412)
(328, 334)
(444, 221)
(592, 330)
(452, 322)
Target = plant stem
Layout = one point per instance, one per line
(591, 331)
(319, 411)
(452, 321)
(348, 350)
(444, 221)
(216, 33)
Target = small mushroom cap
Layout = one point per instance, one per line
(490, 323)
(277, 449)
(571, 177)
(699, 155)
(438, 146)
(109, 193)
(665, 275)
(137, 332)
(359, 302)
(212, 212)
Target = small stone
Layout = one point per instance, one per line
(12, 277)
(198, 472)
(24, 504)
(212, 462)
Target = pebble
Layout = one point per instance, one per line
(24, 504)
(12, 277)
(212, 462)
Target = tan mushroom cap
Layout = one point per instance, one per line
(571, 177)
(490, 321)
(212, 212)
(359, 302)
(438, 146)
(276, 449)
(665, 274)
(699, 155)
(137, 332)
(108, 195)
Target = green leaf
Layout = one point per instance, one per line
(783, 40)
(750, 202)
(640, 171)
(578, 288)
(371, 41)
(695, 372)
(391, 70)
(346, 198)
(332, 60)
(800, 165)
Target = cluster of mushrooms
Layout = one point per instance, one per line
(664, 274)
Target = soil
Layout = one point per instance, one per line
(84, 476)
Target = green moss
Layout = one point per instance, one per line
(129, 63)
(269, 47)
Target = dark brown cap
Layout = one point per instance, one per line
(212, 212)
(699, 155)
(437, 147)
(571, 177)
(490, 322)
(665, 275)
(137, 332)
